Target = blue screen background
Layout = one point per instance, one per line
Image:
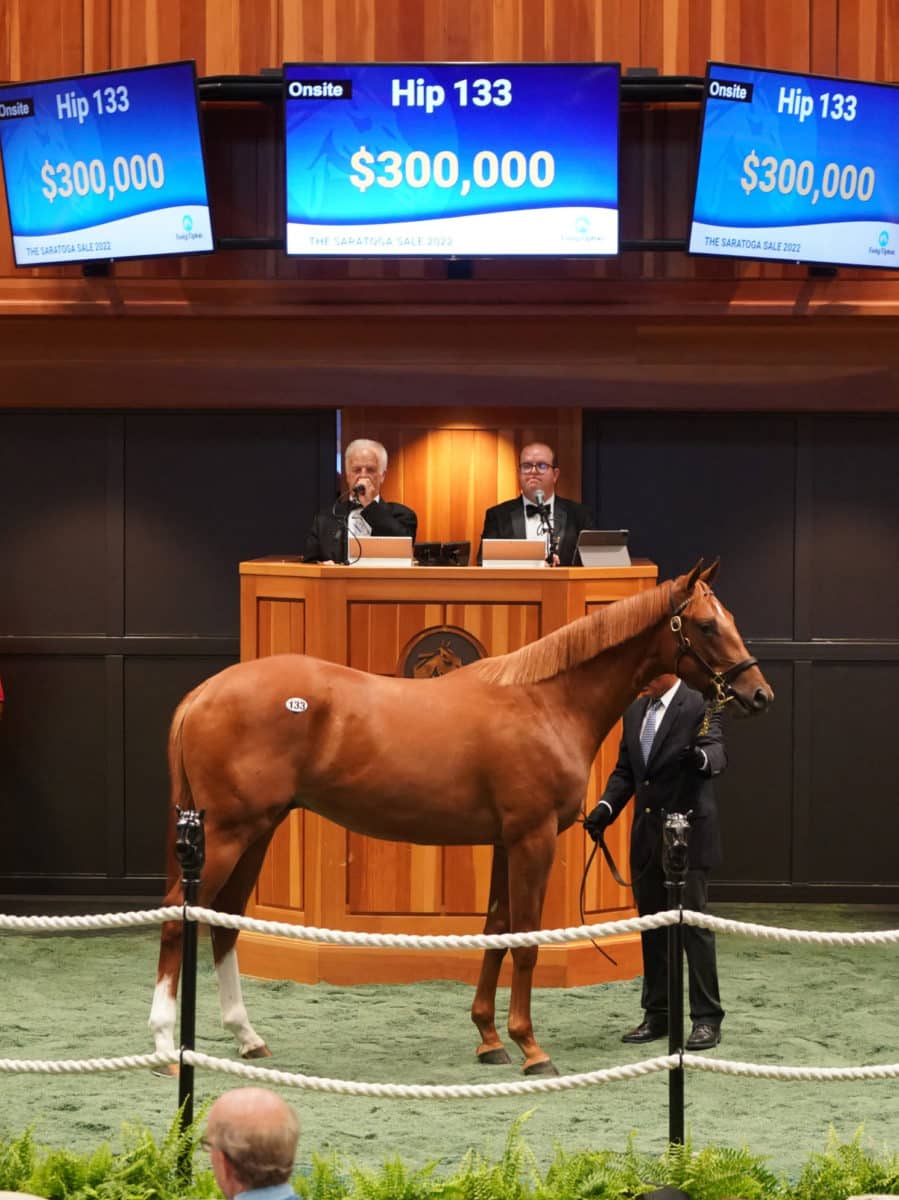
(570, 110)
(162, 117)
(732, 129)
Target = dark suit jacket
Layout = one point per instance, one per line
(386, 518)
(664, 783)
(507, 520)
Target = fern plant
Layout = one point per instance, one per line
(514, 1177)
(717, 1173)
(847, 1169)
(394, 1181)
(18, 1159)
(324, 1179)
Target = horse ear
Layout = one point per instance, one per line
(710, 572)
(694, 575)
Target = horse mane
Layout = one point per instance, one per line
(578, 641)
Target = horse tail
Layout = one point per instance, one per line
(181, 794)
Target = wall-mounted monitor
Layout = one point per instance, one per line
(451, 160)
(800, 168)
(105, 166)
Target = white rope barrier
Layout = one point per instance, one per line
(446, 941)
(723, 1066)
(85, 1066)
(542, 937)
(442, 941)
(121, 920)
(456, 1091)
(433, 1091)
(808, 937)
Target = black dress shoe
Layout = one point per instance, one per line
(646, 1031)
(703, 1036)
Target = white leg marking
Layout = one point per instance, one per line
(162, 1017)
(234, 1014)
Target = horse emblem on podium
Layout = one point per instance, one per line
(437, 651)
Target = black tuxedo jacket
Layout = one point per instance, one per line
(665, 783)
(325, 539)
(507, 520)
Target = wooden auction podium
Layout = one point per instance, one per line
(318, 874)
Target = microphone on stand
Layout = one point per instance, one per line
(358, 490)
(552, 540)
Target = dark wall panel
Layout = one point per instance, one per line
(853, 464)
(54, 776)
(850, 830)
(700, 485)
(53, 537)
(755, 793)
(204, 491)
(153, 687)
(121, 541)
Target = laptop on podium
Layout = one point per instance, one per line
(604, 547)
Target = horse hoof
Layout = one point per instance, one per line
(494, 1058)
(544, 1067)
(256, 1052)
(168, 1071)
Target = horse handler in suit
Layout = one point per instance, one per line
(538, 471)
(668, 766)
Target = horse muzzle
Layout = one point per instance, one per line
(752, 700)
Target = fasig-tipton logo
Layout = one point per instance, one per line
(10, 110)
(728, 89)
(438, 650)
(320, 89)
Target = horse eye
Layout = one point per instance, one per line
(709, 628)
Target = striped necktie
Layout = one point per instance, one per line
(649, 727)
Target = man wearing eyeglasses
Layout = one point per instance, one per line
(521, 518)
(251, 1138)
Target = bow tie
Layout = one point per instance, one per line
(531, 510)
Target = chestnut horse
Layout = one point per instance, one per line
(512, 739)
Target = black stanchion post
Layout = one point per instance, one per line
(190, 850)
(674, 862)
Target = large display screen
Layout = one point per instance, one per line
(797, 167)
(476, 159)
(105, 166)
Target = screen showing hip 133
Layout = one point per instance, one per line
(105, 166)
(797, 167)
(478, 159)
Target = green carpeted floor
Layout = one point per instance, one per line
(88, 996)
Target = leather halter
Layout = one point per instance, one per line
(720, 680)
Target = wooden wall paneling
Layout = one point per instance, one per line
(42, 41)
(680, 36)
(499, 628)
(392, 877)
(825, 36)
(451, 464)
(466, 880)
(868, 42)
(281, 881)
(378, 632)
(281, 627)
(243, 144)
(97, 21)
(225, 37)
